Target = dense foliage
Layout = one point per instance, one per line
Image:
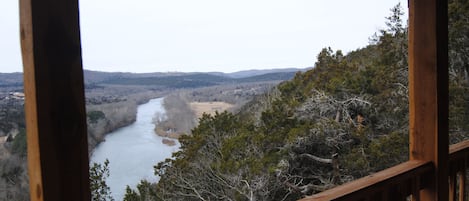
(344, 119)
(459, 69)
(13, 171)
(94, 116)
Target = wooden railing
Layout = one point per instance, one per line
(458, 160)
(403, 180)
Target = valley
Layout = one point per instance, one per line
(272, 135)
(112, 100)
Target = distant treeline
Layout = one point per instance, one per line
(198, 80)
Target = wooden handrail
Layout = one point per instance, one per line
(403, 180)
(396, 183)
(459, 151)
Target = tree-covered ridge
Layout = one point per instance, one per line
(197, 80)
(344, 119)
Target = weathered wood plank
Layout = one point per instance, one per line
(55, 109)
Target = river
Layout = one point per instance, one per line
(133, 150)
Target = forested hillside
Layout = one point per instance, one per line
(344, 119)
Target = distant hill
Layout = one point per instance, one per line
(180, 81)
(250, 73)
(170, 79)
(188, 80)
(268, 77)
(197, 80)
(11, 79)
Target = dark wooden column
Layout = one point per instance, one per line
(428, 85)
(55, 109)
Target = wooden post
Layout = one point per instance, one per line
(55, 110)
(428, 86)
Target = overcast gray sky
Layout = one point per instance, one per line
(208, 35)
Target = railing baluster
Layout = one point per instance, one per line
(376, 196)
(385, 195)
(462, 182)
(452, 183)
(458, 160)
(397, 193)
(462, 178)
(393, 193)
(415, 189)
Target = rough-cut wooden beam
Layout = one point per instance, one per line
(55, 109)
(428, 86)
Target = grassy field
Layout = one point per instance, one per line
(209, 107)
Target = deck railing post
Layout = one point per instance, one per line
(428, 86)
(54, 100)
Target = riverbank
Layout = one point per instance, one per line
(106, 118)
(170, 138)
(168, 128)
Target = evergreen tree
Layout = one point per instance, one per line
(100, 191)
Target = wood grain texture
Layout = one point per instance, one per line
(54, 102)
(428, 87)
(34, 159)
